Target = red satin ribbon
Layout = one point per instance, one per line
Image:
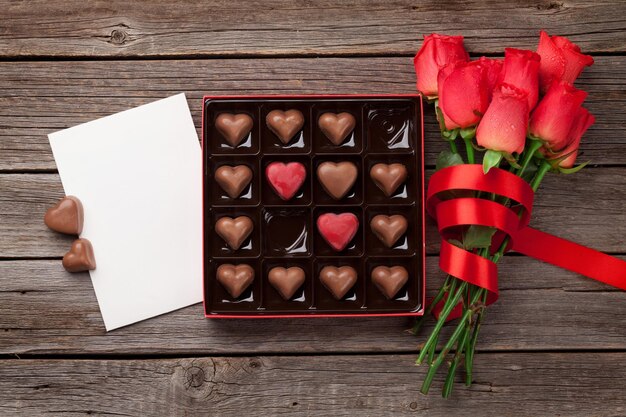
(450, 203)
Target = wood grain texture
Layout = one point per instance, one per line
(284, 27)
(519, 384)
(37, 98)
(45, 310)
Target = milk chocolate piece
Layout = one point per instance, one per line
(389, 228)
(234, 231)
(337, 178)
(338, 280)
(66, 216)
(286, 280)
(80, 257)
(388, 177)
(235, 278)
(233, 180)
(336, 127)
(285, 124)
(234, 127)
(389, 280)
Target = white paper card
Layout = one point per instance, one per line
(138, 175)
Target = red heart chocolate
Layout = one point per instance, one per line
(389, 228)
(234, 231)
(338, 280)
(66, 216)
(234, 127)
(337, 178)
(388, 177)
(286, 280)
(285, 179)
(389, 280)
(80, 257)
(336, 127)
(233, 180)
(285, 124)
(235, 278)
(338, 229)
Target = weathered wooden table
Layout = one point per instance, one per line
(555, 343)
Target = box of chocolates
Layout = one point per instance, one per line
(313, 206)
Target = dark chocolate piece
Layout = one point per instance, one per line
(389, 280)
(286, 280)
(389, 228)
(235, 278)
(233, 180)
(388, 177)
(80, 257)
(234, 231)
(285, 179)
(338, 280)
(337, 178)
(338, 229)
(234, 127)
(285, 124)
(66, 216)
(336, 127)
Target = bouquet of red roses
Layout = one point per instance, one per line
(524, 116)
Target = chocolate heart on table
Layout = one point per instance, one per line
(286, 280)
(389, 228)
(388, 177)
(336, 127)
(389, 280)
(337, 178)
(233, 180)
(338, 280)
(285, 124)
(66, 216)
(234, 127)
(285, 179)
(234, 231)
(235, 278)
(338, 229)
(80, 257)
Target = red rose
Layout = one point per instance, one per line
(436, 52)
(560, 60)
(555, 114)
(493, 72)
(503, 127)
(463, 93)
(582, 122)
(521, 69)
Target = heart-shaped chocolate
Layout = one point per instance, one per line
(388, 177)
(285, 124)
(337, 178)
(389, 280)
(286, 280)
(80, 257)
(235, 278)
(338, 229)
(338, 280)
(233, 180)
(285, 179)
(389, 228)
(233, 127)
(234, 231)
(66, 216)
(336, 127)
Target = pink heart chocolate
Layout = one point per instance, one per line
(285, 179)
(338, 229)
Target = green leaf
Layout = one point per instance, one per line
(448, 158)
(491, 159)
(478, 237)
(468, 133)
(456, 243)
(573, 170)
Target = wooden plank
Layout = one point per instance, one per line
(520, 384)
(45, 310)
(37, 98)
(284, 27)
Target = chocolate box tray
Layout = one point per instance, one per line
(388, 129)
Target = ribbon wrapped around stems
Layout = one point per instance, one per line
(452, 211)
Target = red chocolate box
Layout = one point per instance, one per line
(313, 206)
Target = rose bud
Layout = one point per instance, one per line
(583, 121)
(436, 52)
(503, 127)
(521, 69)
(493, 72)
(555, 114)
(561, 60)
